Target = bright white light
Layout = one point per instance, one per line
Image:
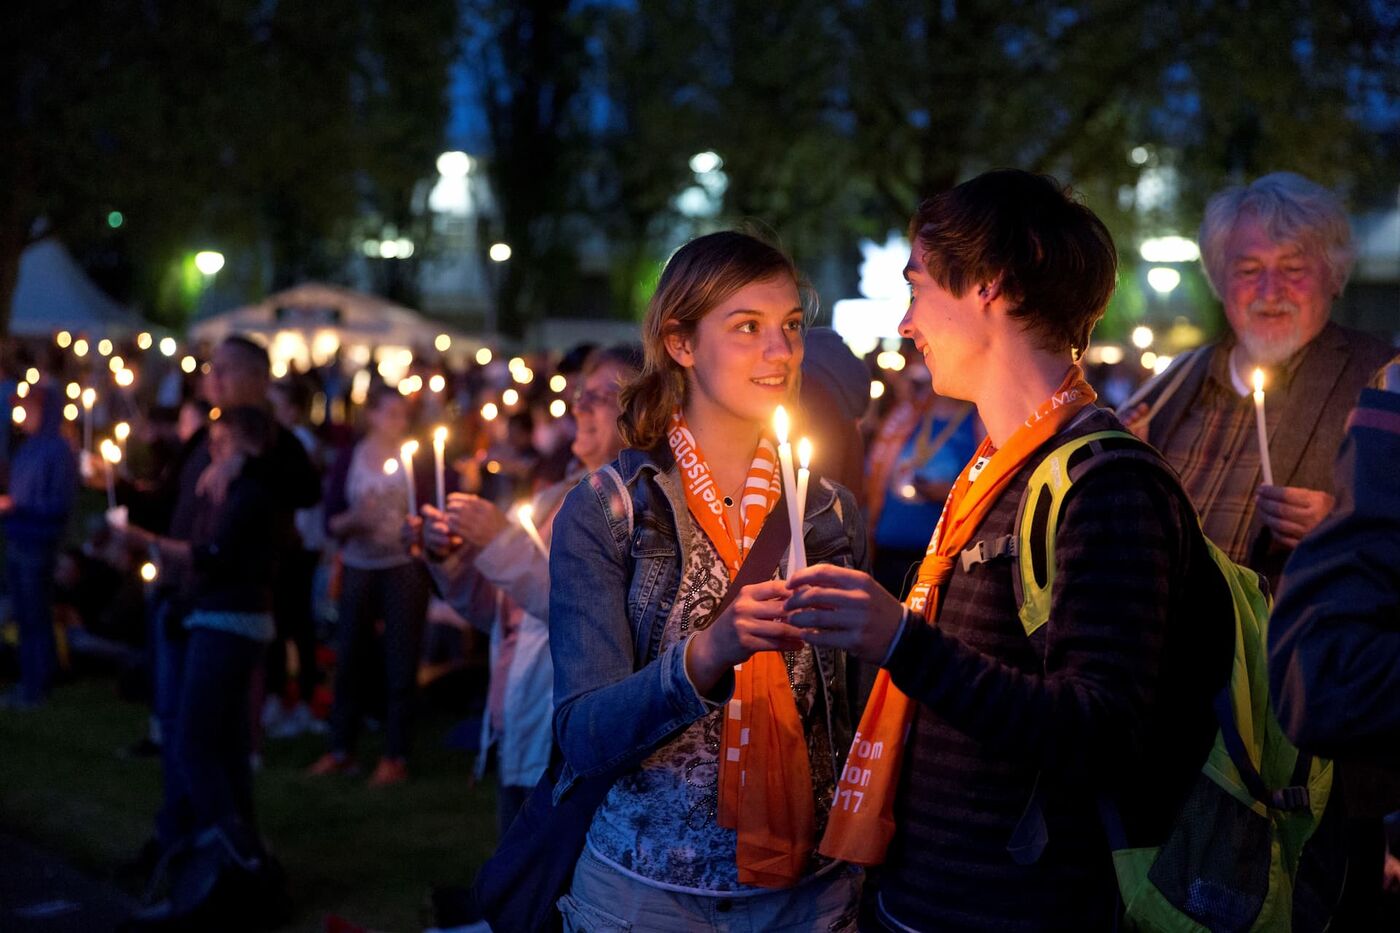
(1143, 337)
(1111, 355)
(209, 261)
(510, 397)
(116, 364)
(499, 252)
(557, 408)
(89, 398)
(167, 346)
(70, 412)
(22, 390)
(882, 269)
(188, 364)
(1169, 249)
(121, 430)
(524, 375)
(18, 414)
(1149, 360)
(1163, 278)
(31, 375)
(104, 347)
(862, 322)
(877, 388)
(74, 390)
(80, 347)
(125, 378)
(63, 339)
(405, 247)
(443, 343)
(704, 162)
(455, 164)
(149, 572)
(695, 201)
(516, 362)
(483, 356)
(1161, 365)
(891, 359)
(557, 383)
(391, 466)
(143, 341)
(489, 411)
(279, 369)
(437, 383)
(1139, 155)
(389, 249)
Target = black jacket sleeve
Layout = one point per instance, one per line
(1334, 636)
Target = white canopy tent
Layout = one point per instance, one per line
(53, 293)
(307, 324)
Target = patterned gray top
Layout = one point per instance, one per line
(658, 823)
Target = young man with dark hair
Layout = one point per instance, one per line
(985, 751)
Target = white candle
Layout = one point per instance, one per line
(525, 513)
(89, 398)
(804, 474)
(439, 447)
(121, 431)
(406, 453)
(797, 556)
(111, 455)
(1259, 423)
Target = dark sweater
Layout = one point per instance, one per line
(236, 547)
(1113, 694)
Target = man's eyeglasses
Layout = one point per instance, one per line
(591, 398)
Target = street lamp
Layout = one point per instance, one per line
(209, 261)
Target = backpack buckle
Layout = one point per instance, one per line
(980, 552)
(1291, 798)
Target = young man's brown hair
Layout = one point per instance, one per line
(1050, 254)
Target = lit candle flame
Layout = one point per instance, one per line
(781, 424)
(440, 435)
(89, 397)
(111, 452)
(804, 453)
(122, 430)
(149, 572)
(1258, 380)
(391, 466)
(408, 449)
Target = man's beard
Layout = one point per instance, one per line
(1276, 347)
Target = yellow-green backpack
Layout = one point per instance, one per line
(1232, 855)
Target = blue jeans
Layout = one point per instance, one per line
(167, 670)
(214, 733)
(29, 571)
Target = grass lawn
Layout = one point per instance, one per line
(369, 855)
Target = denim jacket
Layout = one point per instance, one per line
(611, 592)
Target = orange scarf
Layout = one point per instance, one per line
(884, 450)
(765, 778)
(862, 814)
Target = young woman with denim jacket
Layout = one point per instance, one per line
(727, 733)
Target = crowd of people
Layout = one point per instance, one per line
(1000, 684)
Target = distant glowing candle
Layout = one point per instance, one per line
(526, 515)
(89, 398)
(797, 558)
(112, 455)
(406, 453)
(439, 463)
(121, 431)
(1259, 423)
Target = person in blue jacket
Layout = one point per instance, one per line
(43, 485)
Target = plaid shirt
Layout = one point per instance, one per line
(1215, 448)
